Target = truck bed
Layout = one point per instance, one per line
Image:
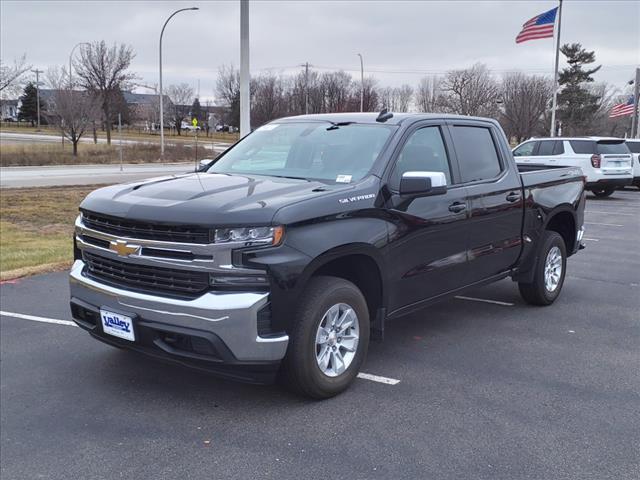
(533, 175)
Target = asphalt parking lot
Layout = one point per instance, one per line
(489, 388)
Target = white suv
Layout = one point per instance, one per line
(634, 146)
(607, 162)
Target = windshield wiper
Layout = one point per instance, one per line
(337, 125)
(289, 176)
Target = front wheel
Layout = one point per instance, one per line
(329, 338)
(549, 271)
(604, 192)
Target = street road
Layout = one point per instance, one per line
(49, 176)
(490, 388)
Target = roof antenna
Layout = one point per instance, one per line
(384, 115)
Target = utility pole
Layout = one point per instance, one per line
(635, 122)
(361, 83)
(38, 72)
(120, 138)
(245, 94)
(306, 88)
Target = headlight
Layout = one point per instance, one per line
(251, 235)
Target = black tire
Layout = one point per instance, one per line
(605, 192)
(536, 292)
(301, 371)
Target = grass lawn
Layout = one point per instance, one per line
(36, 228)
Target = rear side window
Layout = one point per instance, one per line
(634, 147)
(524, 150)
(476, 153)
(546, 148)
(558, 148)
(583, 146)
(612, 147)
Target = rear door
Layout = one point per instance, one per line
(494, 198)
(549, 152)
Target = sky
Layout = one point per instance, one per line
(401, 41)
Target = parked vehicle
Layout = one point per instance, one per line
(606, 162)
(298, 243)
(634, 148)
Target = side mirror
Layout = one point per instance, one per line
(423, 184)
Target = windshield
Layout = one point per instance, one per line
(612, 146)
(307, 150)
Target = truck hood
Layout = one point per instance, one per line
(205, 199)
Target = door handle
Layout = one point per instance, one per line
(513, 197)
(457, 207)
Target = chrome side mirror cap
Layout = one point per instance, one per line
(423, 184)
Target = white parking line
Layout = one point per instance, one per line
(604, 224)
(376, 378)
(611, 213)
(484, 300)
(591, 239)
(33, 318)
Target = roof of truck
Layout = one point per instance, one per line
(370, 117)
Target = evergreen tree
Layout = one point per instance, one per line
(29, 105)
(577, 105)
(196, 111)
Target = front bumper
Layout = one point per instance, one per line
(609, 182)
(217, 332)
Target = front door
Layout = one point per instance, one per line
(427, 250)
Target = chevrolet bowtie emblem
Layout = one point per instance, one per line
(122, 248)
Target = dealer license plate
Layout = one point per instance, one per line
(117, 325)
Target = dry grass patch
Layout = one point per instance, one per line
(20, 154)
(36, 228)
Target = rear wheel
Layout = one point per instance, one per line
(549, 271)
(329, 338)
(604, 192)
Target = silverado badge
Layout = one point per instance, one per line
(122, 248)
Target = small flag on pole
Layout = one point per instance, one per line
(540, 26)
(622, 109)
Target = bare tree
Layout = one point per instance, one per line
(103, 72)
(397, 99)
(471, 91)
(268, 99)
(73, 111)
(337, 90)
(524, 101)
(228, 93)
(182, 98)
(429, 95)
(10, 75)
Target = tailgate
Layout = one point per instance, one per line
(616, 164)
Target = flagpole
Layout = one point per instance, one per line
(555, 75)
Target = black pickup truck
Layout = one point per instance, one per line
(292, 249)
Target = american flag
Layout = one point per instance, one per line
(540, 26)
(622, 109)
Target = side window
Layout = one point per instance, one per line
(558, 149)
(546, 148)
(424, 151)
(477, 154)
(583, 146)
(524, 150)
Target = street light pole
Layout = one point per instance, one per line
(245, 95)
(361, 82)
(161, 106)
(71, 57)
